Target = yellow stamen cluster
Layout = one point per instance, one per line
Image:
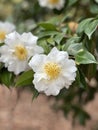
(2, 35)
(20, 52)
(53, 1)
(52, 70)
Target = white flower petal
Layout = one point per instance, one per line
(17, 66)
(28, 37)
(49, 4)
(58, 55)
(11, 55)
(38, 49)
(43, 3)
(37, 61)
(12, 39)
(50, 84)
(40, 86)
(52, 90)
(9, 27)
(5, 28)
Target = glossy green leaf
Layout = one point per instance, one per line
(91, 27)
(85, 57)
(82, 25)
(25, 79)
(75, 48)
(69, 42)
(6, 77)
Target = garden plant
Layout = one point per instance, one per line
(51, 47)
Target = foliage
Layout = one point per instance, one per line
(74, 29)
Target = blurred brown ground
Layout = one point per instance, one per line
(23, 114)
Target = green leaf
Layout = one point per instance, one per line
(1, 65)
(94, 7)
(71, 2)
(91, 27)
(35, 94)
(48, 33)
(6, 77)
(88, 26)
(81, 114)
(43, 43)
(51, 41)
(82, 25)
(70, 41)
(48, 26)
(91, 71)
(1, 44)
(85, 57)
(81, 79)
(59, 37)
(25, 79)
(74, 48)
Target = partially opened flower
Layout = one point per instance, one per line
(53, 71)
(5, 28)
(58, 4)
(17, 50)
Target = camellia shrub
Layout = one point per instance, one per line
(51, 47)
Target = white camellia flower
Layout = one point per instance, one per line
(58, 4)
(53, 71)
(17, 50)
(5, 28)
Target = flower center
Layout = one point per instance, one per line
(20, 52)
(2, 35)
(53, 1)
(52, 70)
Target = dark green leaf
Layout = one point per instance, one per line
(80, 79)
(25, 79)
(6, 77)
(35, 94)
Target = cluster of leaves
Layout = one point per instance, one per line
(55, 31)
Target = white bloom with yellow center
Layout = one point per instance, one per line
(58, 4)
(5, 28)
(17, 50)
(53, 71)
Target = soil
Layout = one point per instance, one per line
(20, 113)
